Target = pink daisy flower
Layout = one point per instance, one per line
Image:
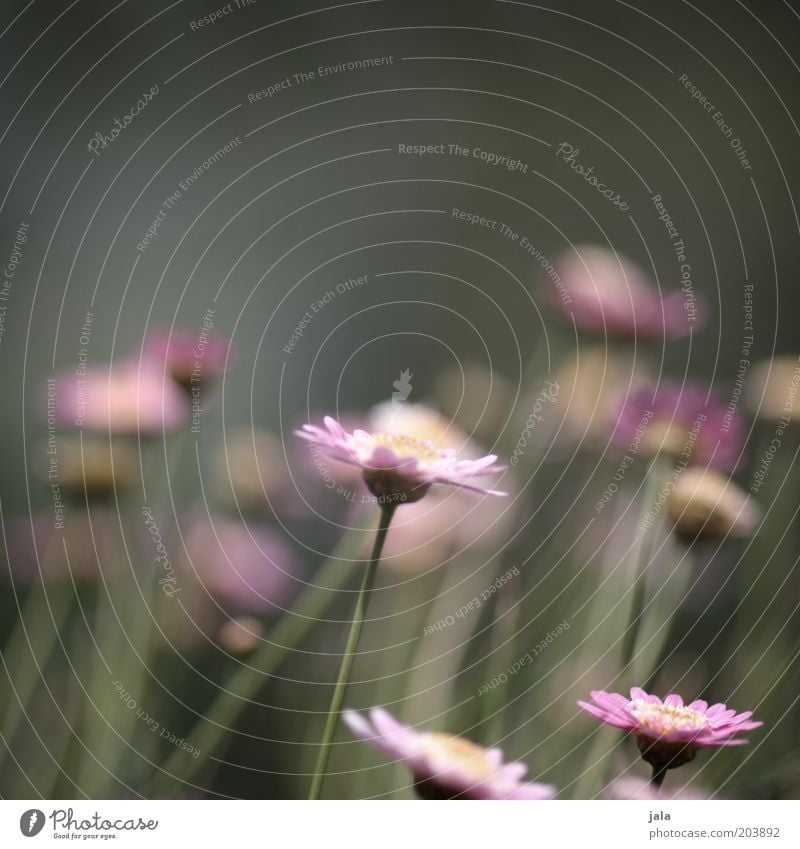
(126, 399)
(609, 293)
(683, 421)
(187, 357)
(249, 570)
(399, 468)
(669, 733)
(446, 766)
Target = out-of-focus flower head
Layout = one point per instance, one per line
(683, 422)
(669, 733)
(241, 634)
(251, 464)
(779, 381)
(190, 358)
(94, 467)
(247, 570)
(608, 293)
(34, 543)
(126, 399)
(446, 518)
(399, 468)
(706, 504)
(445, 766)
(593, 383)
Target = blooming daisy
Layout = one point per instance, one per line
(446, 766)
(399, 468)
(669, 733)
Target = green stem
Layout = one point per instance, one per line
(26, 655)
(387, 512)
(654, 481)
(659, 774)
(236, 693)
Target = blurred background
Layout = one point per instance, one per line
(221, 221)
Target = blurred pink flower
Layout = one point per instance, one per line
(241, 634)
(126, 399)
(669, 733)
(248, 570)
(609, 293)
(682, 421)
(34, 548)
(187, 356)
(396, 467)
(445, 766)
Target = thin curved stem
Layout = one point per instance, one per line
(658, 776)
(387, 512)
(656, 478)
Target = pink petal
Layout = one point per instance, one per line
(604, 716)
(674, 700)
(638, 694)
(336, 430)
(610, 701)
(740, 717)
(385, 724)
(533, 791)
(358, 725)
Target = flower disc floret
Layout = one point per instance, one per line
(399, 467)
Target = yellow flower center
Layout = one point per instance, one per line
(663, 719)
(407, 446)
(447, 751)
(666, 436)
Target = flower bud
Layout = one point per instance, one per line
(709, 505)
